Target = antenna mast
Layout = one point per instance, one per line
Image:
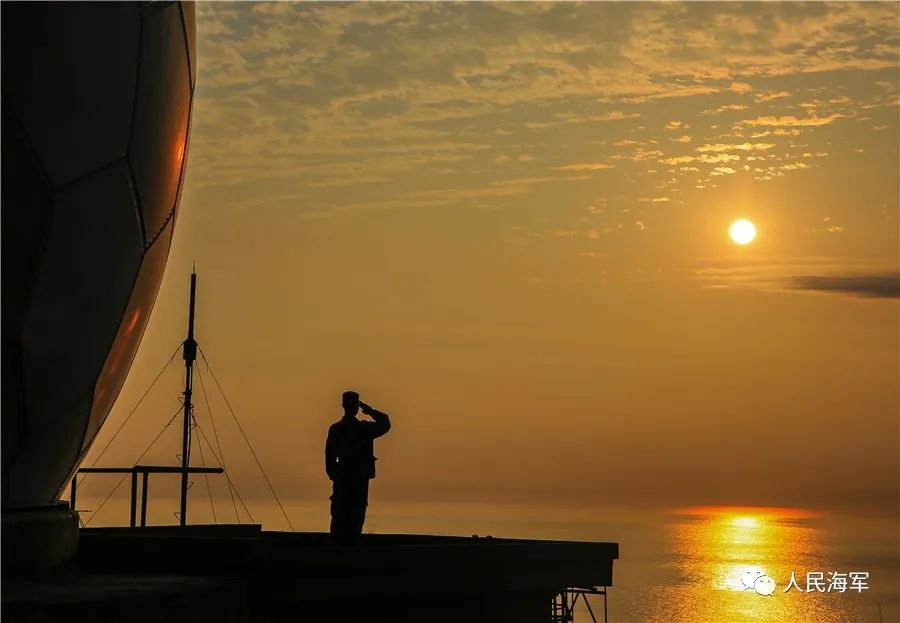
(190, 354)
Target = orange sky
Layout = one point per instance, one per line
(506, 225)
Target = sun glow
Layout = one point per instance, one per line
(745, 522)
(742, 231)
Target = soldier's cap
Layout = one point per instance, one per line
(350, 397)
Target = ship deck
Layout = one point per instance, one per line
(242, 573)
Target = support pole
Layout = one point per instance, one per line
(190, 354)
(144, 482)
(74, 490)
(133, 496)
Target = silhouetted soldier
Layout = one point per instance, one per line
(350, 464)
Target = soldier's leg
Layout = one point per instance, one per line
(341, 520)
(361, 503)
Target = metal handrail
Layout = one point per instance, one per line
(144, 471)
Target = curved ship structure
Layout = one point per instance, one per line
(96, 113)
(96, 118)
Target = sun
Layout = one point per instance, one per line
(742, 231)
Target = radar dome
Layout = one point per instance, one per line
(96, 114)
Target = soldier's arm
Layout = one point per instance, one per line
(381, 423)
(330, 457)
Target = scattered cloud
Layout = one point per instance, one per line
(768, 96)
(325, 101)
(790, 120)
(719, 147)
(828, 226)
(616, 115)
(857, 277)
(709, 159)
(726, 107)
(585, 166)
(672, 91)
(868, 286)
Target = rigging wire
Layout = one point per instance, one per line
(231, 484)
(218, 445)
(136, 462)
(125, 421)
(246, 440)
(205, 475)
(233, 491)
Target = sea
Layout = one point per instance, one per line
(676, 565)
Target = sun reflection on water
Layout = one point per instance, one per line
(720, 557)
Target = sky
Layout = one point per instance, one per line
(506, 225)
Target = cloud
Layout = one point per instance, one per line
(585, 166)
(640, 154)
(674, 91)
(721, 109)
(616, 115)
(718, 158)
(771, 95)
(791, 120)
(885, 285)
(847, 276)
(315, 99)
(676, 160)
(525, 181)
(719, 147)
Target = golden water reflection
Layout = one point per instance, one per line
(733, 565)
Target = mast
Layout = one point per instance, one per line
(190, 354)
